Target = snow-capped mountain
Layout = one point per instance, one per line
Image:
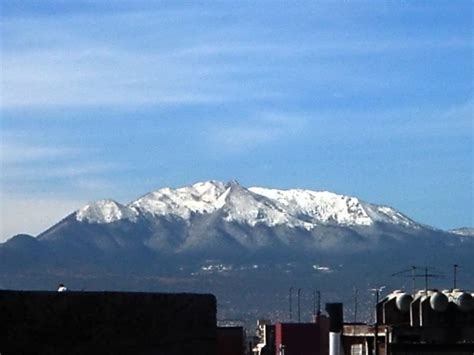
(256, 205)
(213, 219)
(229, 239)
(242, 244)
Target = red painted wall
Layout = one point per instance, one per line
(303, 338)
(230, 341)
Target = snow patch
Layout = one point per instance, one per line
(465, 231)
(318, 207)
(182, 202)
(105, 211)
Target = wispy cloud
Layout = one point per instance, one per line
(30, 165)
(26, 205)
(117, 77)
(247, 134)
(51, 61)
(23, 153)
(63, 170)
(409, 122)
(99, 185)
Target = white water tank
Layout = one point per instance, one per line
(334, 343)
(438, 302)
(403, 301)
(464, 301)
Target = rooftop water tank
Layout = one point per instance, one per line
(464, 301)
(438, 302)
(403, 301)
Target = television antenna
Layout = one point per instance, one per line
(426, 272)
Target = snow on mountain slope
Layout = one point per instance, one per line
(105, 211)
(182, 202)
(465, 231)
(325, 207)
(242, 205)
(293, 208)
(387, 214)
(318, 207)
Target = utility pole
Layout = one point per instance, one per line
(319, 302)
(376, 331)
(316, 304)
(356, 294)
(299, 305)
(455, 267)
(426, 280)
(290, 301)
(376, 337)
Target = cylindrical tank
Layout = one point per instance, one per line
(334, 343)
(464, 301)
(403, 301)
(438, 302)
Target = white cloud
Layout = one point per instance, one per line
(111, 76)
(78, 61)
(248, 134)
(27, 167)
(12, 153)
(97, 185)
(57, 171)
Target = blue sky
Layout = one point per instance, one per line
(114, 99)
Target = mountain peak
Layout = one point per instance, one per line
(182, 202)
(105, 211)
(233, 183)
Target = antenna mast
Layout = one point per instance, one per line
(455, 267)
(413, 270)
(299, 305)
(290, 301)
(356, 294)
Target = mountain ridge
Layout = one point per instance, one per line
(293, 207)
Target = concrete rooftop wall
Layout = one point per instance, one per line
(106, 323)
